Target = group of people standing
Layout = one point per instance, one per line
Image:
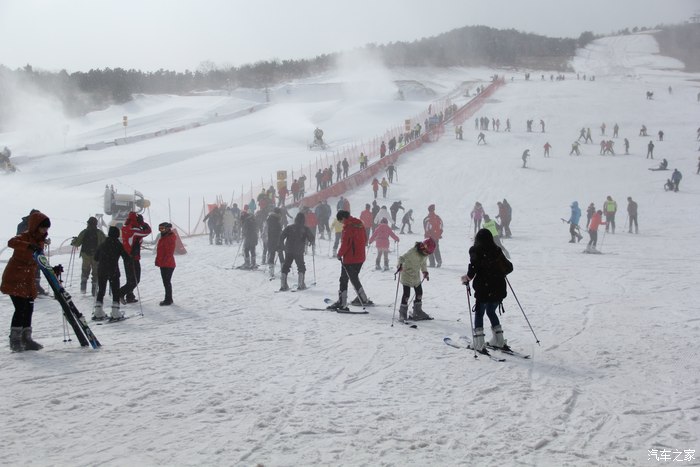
(597, 217)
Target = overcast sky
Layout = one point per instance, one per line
(181, 34)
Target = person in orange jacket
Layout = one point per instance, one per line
(596, 221)
(165, 259)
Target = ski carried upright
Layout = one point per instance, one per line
(71, 313)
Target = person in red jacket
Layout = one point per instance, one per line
(375, 187)
(432, 225)
(352, 255)
(367, 218)
(133, 231)
(596, 221)
(165, 259)
(382, 234)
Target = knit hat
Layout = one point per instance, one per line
(113, 232)
(429, 245)
(92, 221)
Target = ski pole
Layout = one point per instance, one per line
(396, 298)
(357, 291)
(313, 263)
(240, 242)
(138, 291)
(602, 241)
(469, 311)
(523, 311)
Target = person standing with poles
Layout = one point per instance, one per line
(294, 239)
(107, 257)
(488, 267)
(88, 240)
(133, 231)
(352, 256)
(411, 264)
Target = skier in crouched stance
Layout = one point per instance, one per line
(488, 267)
(411, 264)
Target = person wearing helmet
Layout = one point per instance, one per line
(488, 267)
(412, 264)
(88, 240)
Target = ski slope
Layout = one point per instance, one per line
(236, 374)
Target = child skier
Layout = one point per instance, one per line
(411, 263)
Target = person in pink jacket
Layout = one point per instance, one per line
(165, 259)
(382, 234)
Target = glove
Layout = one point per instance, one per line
(466, 279)
(47, 241)
(340, 258)
(400, 268)
(426, 276)
(35, 248)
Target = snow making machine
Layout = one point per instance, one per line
(119, 205)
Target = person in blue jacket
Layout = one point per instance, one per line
(574, 229)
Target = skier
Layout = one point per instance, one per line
(632, 213)
(589, 214)
(363, 161)
(367, 220)
(22, 227)
(346, 167)
(481, 138)
(382, 214)
(250, 240)
(493, 227)
(165, 259)
(610, 209)
(406, 221)
(575, 149)
(547, 147)
(676, 177)
(504, 215)
(133, 232)
(477, 215)
(382, 234)
(274, 233)
(573, 221)
(107, 257)
(351, 255)
(661, 135)
(394, 209)
(411, 265)
(18, 280)
(228, 222)
(616, 130)
(88, 240)
(525, 155)
(627, 146)
(375, 187)
(390, 171)
(432, 227)
(295, 237)
(488, 267)
(385, 186)
(596, 221)
(323, 214)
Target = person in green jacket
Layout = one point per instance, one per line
(411, 265)
(491, 225)
(88, 240)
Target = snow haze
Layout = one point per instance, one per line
(236, 374)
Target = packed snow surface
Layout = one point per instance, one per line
(236, 374)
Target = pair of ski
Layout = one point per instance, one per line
(330, 301)
(113, 320)
(466, 343)
(70, 311)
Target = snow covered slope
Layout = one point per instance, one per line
(236, 374)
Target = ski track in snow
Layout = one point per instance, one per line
(234, 374)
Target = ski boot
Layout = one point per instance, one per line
(27, 342)
(302, 284)
(341, 304)
(403, 312)
(98, 313)
(497, 341)
(16, 339)
(117, 313)
(361, 299)
(283, 282)
(418, 314)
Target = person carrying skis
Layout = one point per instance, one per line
(133, 232)
(107, 257)
(352, 256)
(632, 213)
(432, 227)
(488, 267)
(573, 221)
(382, 234)
(294, 238)
(165, 259)
(18, 280)
(88, 240)
(596, 221)
(610, 209)
(412, 264)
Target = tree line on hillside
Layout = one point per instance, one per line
(82, 92)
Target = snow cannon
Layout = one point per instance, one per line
(119, 205)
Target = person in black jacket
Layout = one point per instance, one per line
(107, 256)
(294, 238)
(250, 239)
(488, 266)
(274, 232)
(88, 240)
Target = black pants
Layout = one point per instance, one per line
(293, 257)
(24, 308)
(102, 281)
(407, 294)
(167, 274)
(271, 255)
(490, 309)
(132, 269)
(350, 272)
